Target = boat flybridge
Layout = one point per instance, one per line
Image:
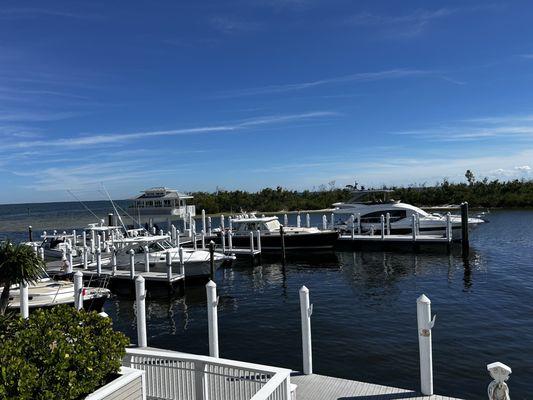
(370, 205)
(296, 238)
(197, 263)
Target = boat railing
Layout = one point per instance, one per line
(174, 375)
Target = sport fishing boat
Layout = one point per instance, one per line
(295, 238)
(197, 263)
(370, 205)
(46, 293)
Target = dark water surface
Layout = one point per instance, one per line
(364, 319)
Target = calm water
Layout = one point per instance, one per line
(364, 320)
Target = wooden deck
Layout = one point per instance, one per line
(320, 387)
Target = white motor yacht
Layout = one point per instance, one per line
(370, 205)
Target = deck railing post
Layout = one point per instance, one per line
(113, 260)
(209, 229)
(24, 299)
(298, 220)
(305, 311)
(324, 222)
(140, 297)
(425, 325)
(200, 383)
(285, 220)
(182, 263)
(413, 226)
(98, 262)
(146, 258)
(382, 227)
(169, 266)
(78, 290)
(212, 317)
(308, 220)
(498, 389)
(259, 240)
(387, 220)
(132, 264)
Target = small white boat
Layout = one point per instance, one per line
(401, 214)
(47, 292)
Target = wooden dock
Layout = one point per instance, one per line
(386, 242)
(320, 387)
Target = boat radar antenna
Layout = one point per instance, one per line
(116, 211)
(83, 204)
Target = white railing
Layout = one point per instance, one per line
(173, 375)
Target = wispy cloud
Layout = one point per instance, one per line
(358, 77)
(25, 13)
(228, 25)
(528, 56)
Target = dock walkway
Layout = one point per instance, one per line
(320, 387)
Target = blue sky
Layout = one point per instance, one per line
(246, 94)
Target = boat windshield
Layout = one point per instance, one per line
(273, 225)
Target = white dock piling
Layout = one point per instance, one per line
(154, 230)
(209, 229)
(194, 243)
(425, 325)
(259, 240)
(113, 260)
(78, 290)
(169, 266)
(413, 226)
(298, 220)
(204, 227)
(84, 239)
(203, 239)
(498, 389)
(93, 241)
(230, 240)
(308, 220)
(98, 261)
(74, 237)
(252, 243)
(161, 232)
(285, 220)
(140, 297)
(146, 259)
(177, 238)
(132, 264)
(382, 228)
(173, 233)
(306, 310)
(24, 300)
(69, 260)
(324, 222)
(449, 229)
(182, 264)
(417, 224)
(387, 221)
(358, 223)
(85, 257)
(41, 253)
(222, 227)
(352, 220)
(230, 224)
(212, 317)
(98, 241)
(223, 241)
(332, 221)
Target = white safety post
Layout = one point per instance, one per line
(259, 240)
(203, 239)
(182, 264)
(132, 264)
(140, 297)
(332, 221)
(41, 253)
(387, 221)
(308, 220)
(209, 229)
(413, 226)
(230, 240)
(306, 310)
(252, 242)
(212, 317)
(425, 325)
(85, 257)
(204, 227)
(169, 266)
(98, 261)
(498, 389)
(24, 299)
(382, 228)
(285, 220)
(222, 222)
(113, 260)
(358, 223)
(78, 290)
(449, 229)
(324, 222)
(84, 239)
(298, 220)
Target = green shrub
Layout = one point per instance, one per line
(58, 354)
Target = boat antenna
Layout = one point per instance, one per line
(83, 204)
(114, 208)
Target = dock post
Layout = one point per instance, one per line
(372, 230)
(382, 227)
(498, 389)
(98, 241)
(252, 243)
(154, 230)
(140, 297)
(41, 253)
(230, 224)
(84, 238)
(464, 228)
(173, 231)
(332, 221)
(353, 227)
(425, 325)
(413, 227)
(74, 237)
(85, 257)
(209, 233)
(78, 290)
(204, 227)
(298, 220)
(203, 239)
(358, 223)
(169, 266)
(110, 218)
(24, 299)
(30, 234)
(282, 240)
(285, 220)
(259, 240)
(35, 248)
(132, 264)
(212, 317)
(161, 232)
(308, 220)
(194, 241)
(387, 221)
(306, 310)
(146, 259)
(222, 228)
(177, 238)
(93, 240)
(182, 264)
(212, 259)
(98, 262)
(417, 224)
(449, 228)
(113, 260)
(69, 260)
(223, 241)
(230, 240)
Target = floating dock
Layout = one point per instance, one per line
(389, 242)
